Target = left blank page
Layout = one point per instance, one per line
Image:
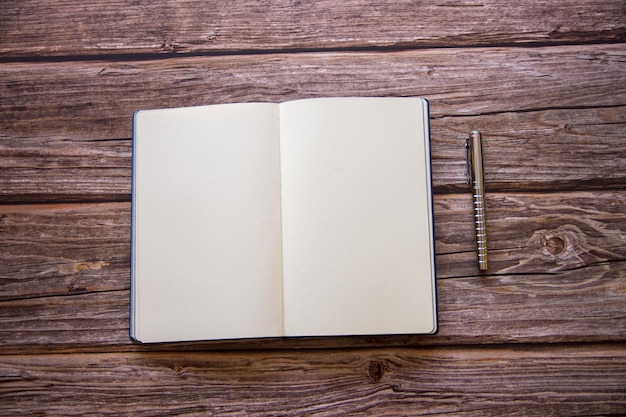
(206, 223)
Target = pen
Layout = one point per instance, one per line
(475, 177)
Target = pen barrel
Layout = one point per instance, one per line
(480, 225)
(477, 180)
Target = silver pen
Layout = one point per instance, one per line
(475, 176)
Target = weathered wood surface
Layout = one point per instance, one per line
(37, 169)
(51, 250)
(97, 27)
(544, 308)
(553, 256)
(466, 90)
(543, 333)
(496, 381)
(36, 98)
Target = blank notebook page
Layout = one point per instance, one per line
(356, 214)
(207, 254)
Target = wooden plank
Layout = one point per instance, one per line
(558, 273)
(532, 233)
(50, 157)
(38, 28)
(66, 249)
(564, 149)
(45, 170)
(523, 151)
(586, 305)
(554, 121)
(495, 381)
(95, 321)
(101, 96)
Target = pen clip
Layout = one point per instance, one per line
(468, 149)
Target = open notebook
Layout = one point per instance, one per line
(305, 218)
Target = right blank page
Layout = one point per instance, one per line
(358, 249)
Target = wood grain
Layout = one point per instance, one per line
(50, 170)
(562, 149)
(558, 273)
(101, 96)
(542, 334)
(64, 249)
(44, 170)
(517, 381)
(67, 249)
(97, 27)
(532, 233)
(585, 305)
(50, 157)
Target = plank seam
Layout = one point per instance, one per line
(152, 56)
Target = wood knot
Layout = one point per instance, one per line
(376, 370)
(168, 46)
(554, 245)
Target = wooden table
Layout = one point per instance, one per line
(542, 333)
